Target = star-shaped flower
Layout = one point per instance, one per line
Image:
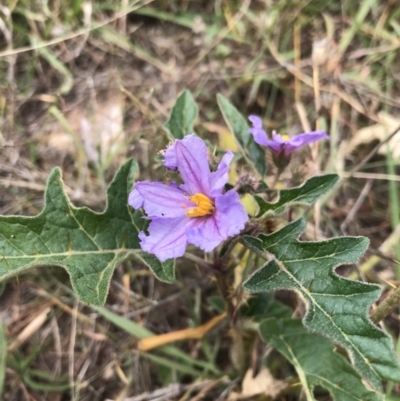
(283, 145)
(196, 212)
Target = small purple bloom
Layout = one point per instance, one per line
(196, 212)
(283, 144)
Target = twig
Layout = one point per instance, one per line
(369, 176)
(199, 261)
(373, 152)
(356, 206)
(152, 306)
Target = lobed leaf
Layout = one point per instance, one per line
(183, 116)
(307, 194)
(87, 244)
(337, 307)
(315, 361)
(252, 152)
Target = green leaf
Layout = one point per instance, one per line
(315, 361)
(217, 303)
(252, 152)
(36, 380)
(87, 244)
(307, 194)
(279, 310)
(183, 116)
(257, 306)
(163, 271)
(337, 307)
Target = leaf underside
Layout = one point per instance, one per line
(306, 194)
(252, 152)
(315, 361)
(87, 244)
(337, 307)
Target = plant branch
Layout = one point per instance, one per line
(224, 289)
(276, 177)
(199, 261)
(250, 229)
(385, 307)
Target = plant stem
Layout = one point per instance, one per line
(224, 288)
(276, 178)
(250, 229)
(385, 307)
(199, 261)
(238, 351)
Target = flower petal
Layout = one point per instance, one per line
(304, 139)
(230, 214)
(167, 238)
(278, 139)
(228, 219)
(277, 144)
(256, 121)
(159, 200)
(135, 199)
(220, 177)
(189, 156)
(259, 135)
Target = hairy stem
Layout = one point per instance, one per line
(225, 292)
(250, 229)
(276, 178)
(223, 285)
(238, 351)
(199, 261)
(385, 307)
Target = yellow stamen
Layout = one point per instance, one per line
(204, 206)
(286, 137)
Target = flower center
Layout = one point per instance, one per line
(285, 137)
(204, 207)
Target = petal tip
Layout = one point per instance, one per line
(256, 121)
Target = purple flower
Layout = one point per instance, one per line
(196, 212)
(283, 144)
